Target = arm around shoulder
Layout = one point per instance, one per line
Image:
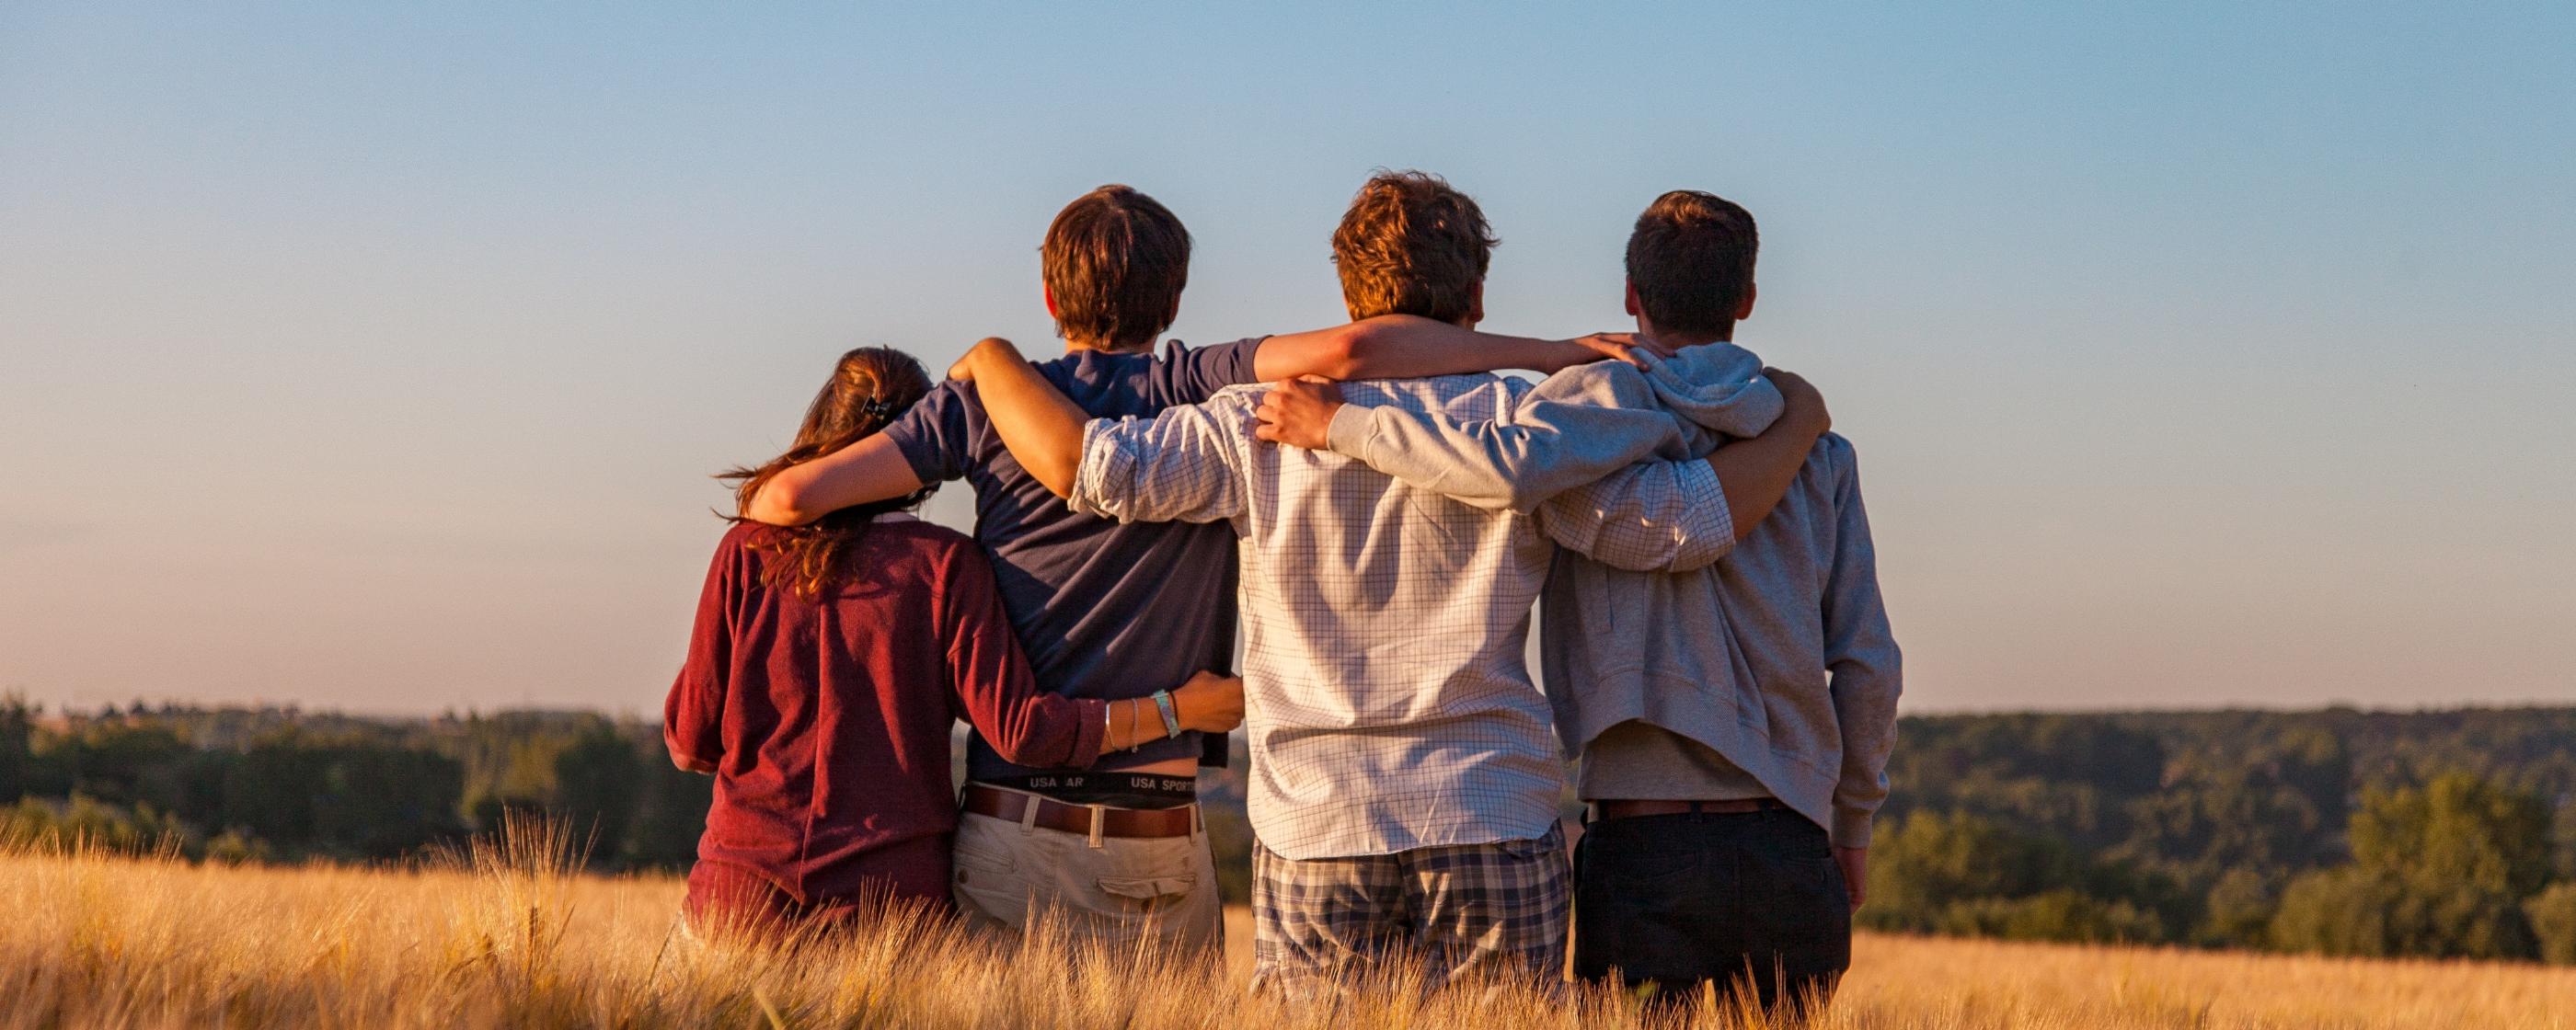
(1410, 346)
(1183, 465)
(1037, 422)
(871, 470)
(1758, 472)
(989, 679)
(1572, 429)
(1664, 516)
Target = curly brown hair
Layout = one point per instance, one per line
(870, 387)
(1411, 244)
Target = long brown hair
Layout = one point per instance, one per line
(869, 389)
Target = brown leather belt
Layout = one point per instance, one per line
(1624, 809)
(1077, 819)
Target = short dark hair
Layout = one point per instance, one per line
(1115, 261)
(1691, 261)
(1411, 244)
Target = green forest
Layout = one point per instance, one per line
(2447, 833)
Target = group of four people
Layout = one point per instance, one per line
(1716, 653)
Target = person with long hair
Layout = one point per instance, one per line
(828, 665)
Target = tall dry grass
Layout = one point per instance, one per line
(512, 934)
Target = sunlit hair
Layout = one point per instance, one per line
(1691, 260)
(1115, 260)
(1411, 244)
(869, 389)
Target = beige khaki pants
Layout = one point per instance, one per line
(1161, 891)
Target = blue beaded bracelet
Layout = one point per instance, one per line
(1171, 718)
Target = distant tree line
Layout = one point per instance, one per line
(2441, 834)
(283, 785)
(2341, 832)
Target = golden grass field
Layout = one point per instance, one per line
(512, 937)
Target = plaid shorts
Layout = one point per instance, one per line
(1459, 912)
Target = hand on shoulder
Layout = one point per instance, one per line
(1299, 412)
(1804, 403)
(990, 348)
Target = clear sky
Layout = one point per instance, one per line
(377, 359)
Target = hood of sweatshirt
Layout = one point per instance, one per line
(1717, 386)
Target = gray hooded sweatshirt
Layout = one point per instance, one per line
(1778, 657)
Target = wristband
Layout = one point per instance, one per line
(1171, 719)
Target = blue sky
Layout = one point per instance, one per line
(2206, 354)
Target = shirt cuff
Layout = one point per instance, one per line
(1851, 827)
(1350, 431)
(1092, 734)
(1105, 460)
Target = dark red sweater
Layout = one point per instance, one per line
(826, 722)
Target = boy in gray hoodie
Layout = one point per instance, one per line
(1733, 722)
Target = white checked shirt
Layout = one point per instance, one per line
(1387, 703)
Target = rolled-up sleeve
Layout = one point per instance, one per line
(1666, 516)
(1183, 465)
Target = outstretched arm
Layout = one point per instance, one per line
(1178, 466)
(1041, 426)
(1409, 346)
(1572, 429)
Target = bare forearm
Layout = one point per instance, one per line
(1414, 347)
(1042, 428)
(1208, 703)
(1755, 474)
(1133, 723)
(1405, 347)
(781, 501)
(871, 470)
